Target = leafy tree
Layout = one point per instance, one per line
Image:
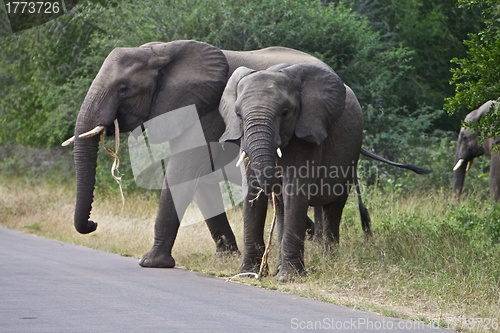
(37, 107)
(375, 70)
(434, 31)
(477, 77)
(46, 71)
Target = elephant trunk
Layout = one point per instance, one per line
(97, 110)
(261, 148)
(85, 156)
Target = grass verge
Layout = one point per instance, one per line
(431, 259)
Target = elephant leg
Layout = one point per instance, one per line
(254, 218)
(166, 227)
(332, 214)
(494, 178)
(174, 201)
(318, 224)
(292, 243)
(208, 198)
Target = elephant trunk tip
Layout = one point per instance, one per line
(86, 227)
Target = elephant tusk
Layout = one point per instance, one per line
(94, 132)
(68, 142)
(242, 157)
(469, 164)
(459, 164)
(278, 151)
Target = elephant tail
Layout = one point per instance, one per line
(363, 212)
(413, 168)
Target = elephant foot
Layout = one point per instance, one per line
(156, 259)
(226, 247)
(291, 270)
(250, 265)
(226, 254)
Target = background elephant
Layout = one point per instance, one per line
(137, 84)
(292, 118)
(469, 148)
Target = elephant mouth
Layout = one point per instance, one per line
(244, 155)
(93, 132)
(109, 131)
(461, 162)
(96, 131)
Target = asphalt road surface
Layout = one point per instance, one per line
(50, 286)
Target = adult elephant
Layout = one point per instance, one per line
(137, 84)
(302, 134)
(469, 148)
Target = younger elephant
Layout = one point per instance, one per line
(303, 143)
(468, 148)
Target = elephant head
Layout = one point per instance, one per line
(133, 86)
(267, 108)
(469, 148)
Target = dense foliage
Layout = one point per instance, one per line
(394, 54)
(477, 77)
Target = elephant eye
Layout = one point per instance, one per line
(122, 89)
(238, 115)
(285, 112)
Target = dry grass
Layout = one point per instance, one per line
(127, 230)
(402, 272)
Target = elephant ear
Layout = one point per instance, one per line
(227, 106)
(475, 116)
(322, 96)
(189, 72)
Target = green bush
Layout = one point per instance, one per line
(45, 72)
(480, 227)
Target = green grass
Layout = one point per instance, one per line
(431, 258)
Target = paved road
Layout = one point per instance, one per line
(50, 286)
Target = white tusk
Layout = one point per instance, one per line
(459, 164)
(469, 164)
(278, 151)
(242, 157)
(68, 142)
(94, 132)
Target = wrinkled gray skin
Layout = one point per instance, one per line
(302, 110)
(138, 84)
(469, 148)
